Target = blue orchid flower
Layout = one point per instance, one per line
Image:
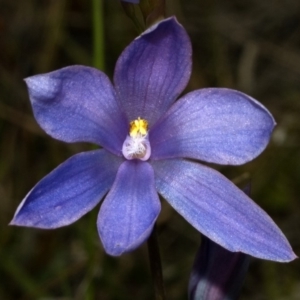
(147, 142)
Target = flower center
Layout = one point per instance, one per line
(136, 144)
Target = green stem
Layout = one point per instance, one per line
(98, 34)
(155, 266)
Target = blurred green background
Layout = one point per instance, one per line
(252, 45)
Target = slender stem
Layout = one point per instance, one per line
(98, 34)
(155, 265)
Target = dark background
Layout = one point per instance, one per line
(252, 45)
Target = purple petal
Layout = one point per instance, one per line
(130, 209)
(77, 104)
(215, 125)
(217, 273)
(153, 70)
(69, 191)
(218, 209)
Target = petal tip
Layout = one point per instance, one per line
(156, 25)
(16, 222)
(292, 257)
(12, 223)
(116, 252)
(41, 87)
